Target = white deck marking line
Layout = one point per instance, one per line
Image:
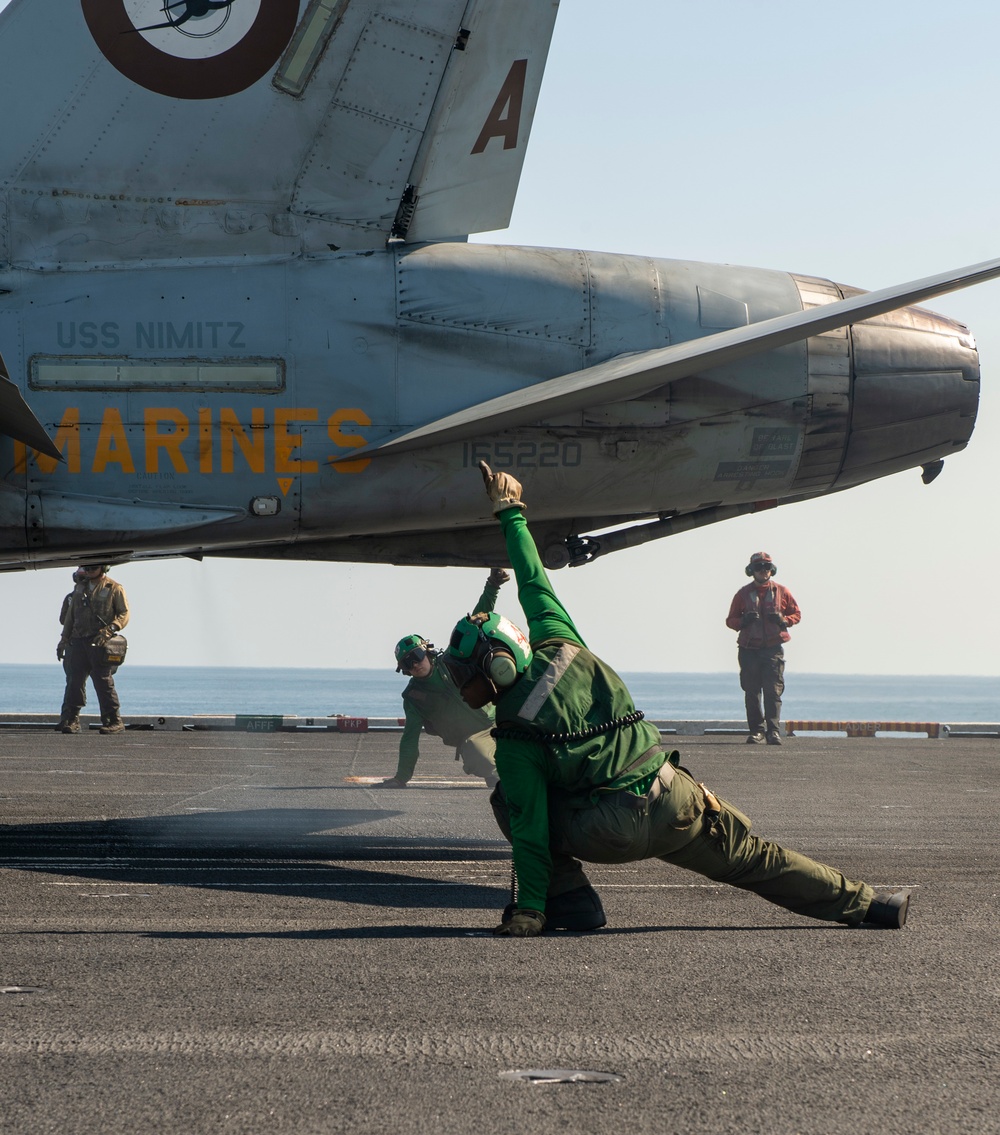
(423, 883)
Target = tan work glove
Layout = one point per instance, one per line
(523, 923)
(497, 577)
(503, 490)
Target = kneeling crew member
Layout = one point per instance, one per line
(582, 776)
(432, 702)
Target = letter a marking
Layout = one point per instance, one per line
(504, 118)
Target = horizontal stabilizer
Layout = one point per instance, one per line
(17, 420)
(631, 376)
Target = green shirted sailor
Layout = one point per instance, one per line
(583, 776)
(431, 702)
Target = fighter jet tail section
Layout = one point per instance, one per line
(234, 272)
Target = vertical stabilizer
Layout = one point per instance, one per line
(466, 174)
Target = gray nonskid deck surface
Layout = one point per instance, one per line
(235, 932)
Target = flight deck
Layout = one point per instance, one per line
(221, 930)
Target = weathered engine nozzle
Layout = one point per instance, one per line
(896, 392)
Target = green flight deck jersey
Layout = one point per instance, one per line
(567, 727)
(435, 705)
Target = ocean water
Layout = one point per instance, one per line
(171, 690)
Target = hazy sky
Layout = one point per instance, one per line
(852, 141)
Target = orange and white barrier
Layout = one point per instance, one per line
(863, 728)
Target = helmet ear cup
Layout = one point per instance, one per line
(502, 669)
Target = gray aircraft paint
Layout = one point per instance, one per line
(221, 282)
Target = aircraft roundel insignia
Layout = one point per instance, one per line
(192, 49)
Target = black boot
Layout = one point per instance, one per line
(889, 910)
(579, 909)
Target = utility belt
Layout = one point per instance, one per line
(710, 815)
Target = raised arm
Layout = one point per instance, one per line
(547, 617)
(494, 581)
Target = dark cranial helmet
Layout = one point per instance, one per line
(760, 560)
(490, 645)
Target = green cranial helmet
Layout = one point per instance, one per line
(410, 650)
(488, 644)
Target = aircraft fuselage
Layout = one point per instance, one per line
(200, 408)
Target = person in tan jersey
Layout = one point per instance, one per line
(94, 610)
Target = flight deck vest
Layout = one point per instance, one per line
(582, 713)
(764, 632)
(90, 609)
(442, 710)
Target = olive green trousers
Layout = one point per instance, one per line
(477, 756)
(679, 828)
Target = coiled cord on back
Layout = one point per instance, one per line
(633, 718)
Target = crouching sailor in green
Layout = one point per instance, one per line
(583, 776)
(432, 704)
